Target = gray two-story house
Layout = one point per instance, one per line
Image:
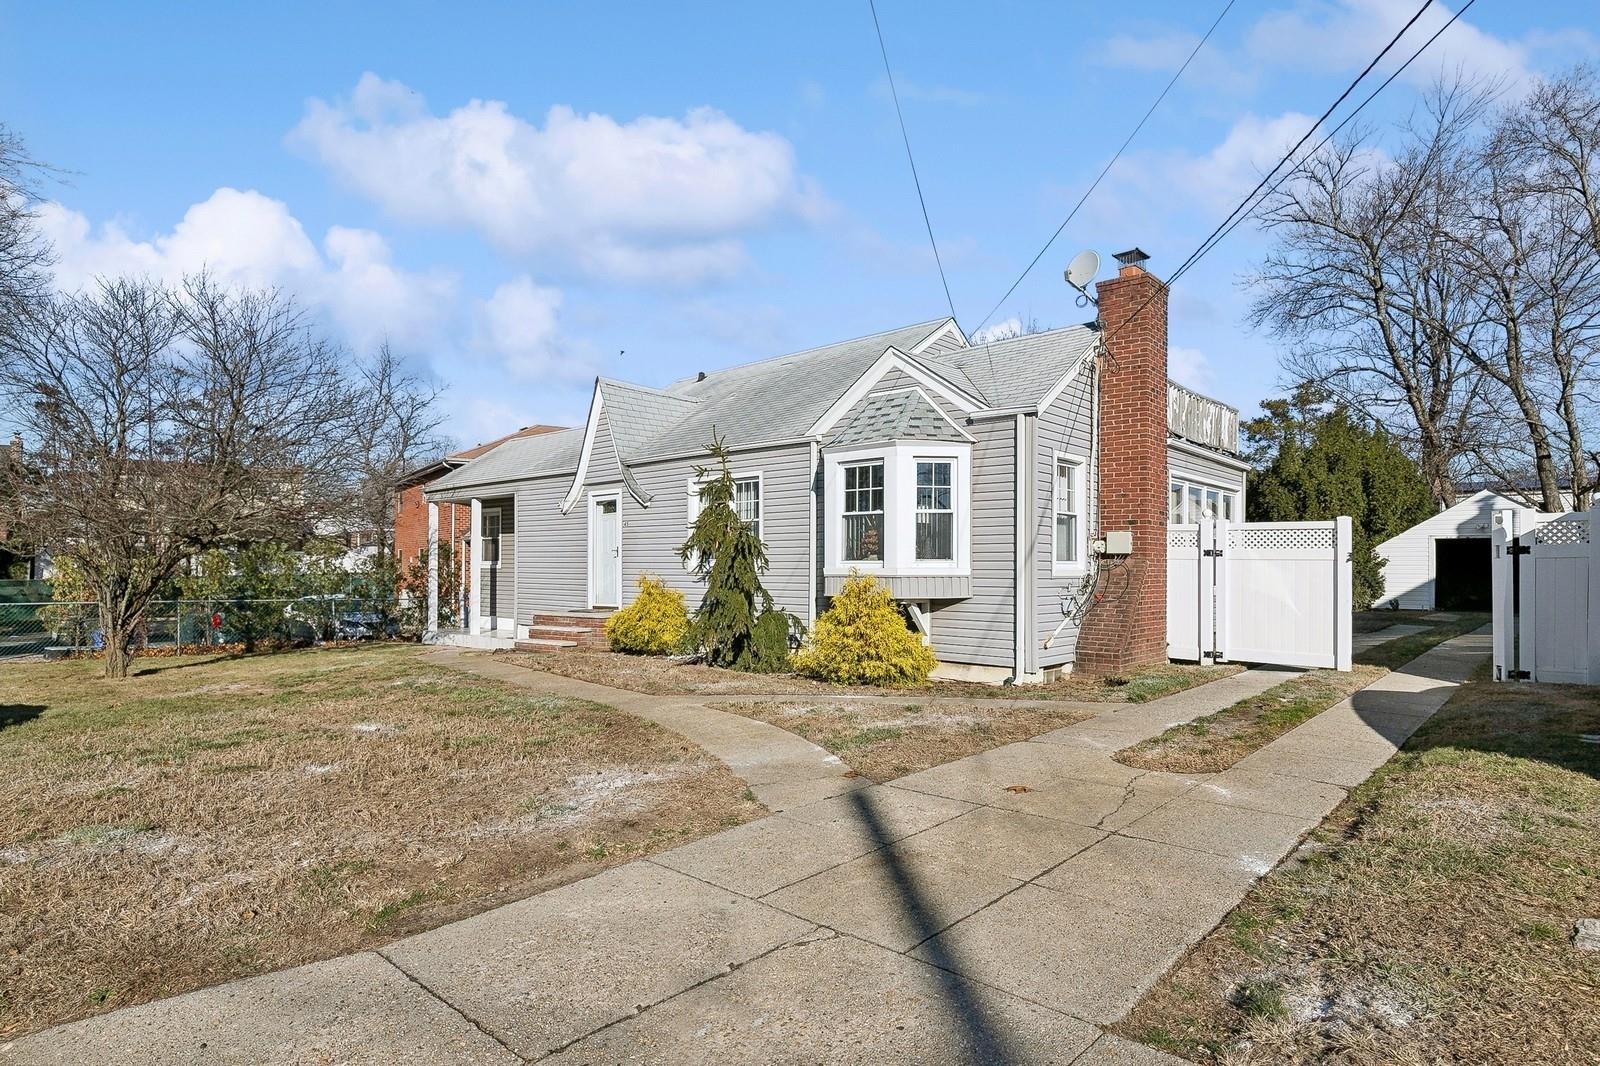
(979, 482)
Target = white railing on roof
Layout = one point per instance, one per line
(1202, 420)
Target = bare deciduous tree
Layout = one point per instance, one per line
(163, 422)
(394, 428)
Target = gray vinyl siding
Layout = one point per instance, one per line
(1207, 471)
(552, 549)
(497, 586)
(652, 535)
(1066, 426)
(979, 629)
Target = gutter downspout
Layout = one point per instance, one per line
(814, 559)
(1020, 586)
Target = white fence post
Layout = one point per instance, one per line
(1504, 536)
(1214, 562)
(1344, 591)
(1594, 592)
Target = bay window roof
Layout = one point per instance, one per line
(902, 415)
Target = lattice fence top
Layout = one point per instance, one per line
(1292, 538)
(1182, 538)
(1564, 531)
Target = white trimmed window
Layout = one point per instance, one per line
(1188, 503)
(863, 513)
(491, 538)
(747, 502)
(936, 512)
(1068, 508)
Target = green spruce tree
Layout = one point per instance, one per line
(1315, 459)
(737, 624)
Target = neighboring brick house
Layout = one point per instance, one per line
(455, 520)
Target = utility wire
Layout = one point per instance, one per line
(911, 159)
(1331, 134)
(1205, 245)
(1106, 169)
(1211, 240)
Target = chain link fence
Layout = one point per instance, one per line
(44, 629)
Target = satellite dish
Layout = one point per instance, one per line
(1081, 271)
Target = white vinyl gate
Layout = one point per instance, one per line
(1260, 592)
(1544, 600)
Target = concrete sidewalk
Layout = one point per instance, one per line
(1000, 908)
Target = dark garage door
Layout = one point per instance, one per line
(1461, 569)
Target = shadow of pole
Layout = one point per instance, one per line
(985, 1041)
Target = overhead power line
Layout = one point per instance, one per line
(1112, 162)
(1234, 216)
(895, 93)
(1331, 133)
(1205, 245)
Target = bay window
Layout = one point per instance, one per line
(936, 516)
(863, 513)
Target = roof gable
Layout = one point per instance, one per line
(901, 414)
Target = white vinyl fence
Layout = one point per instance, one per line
(1545, 599)
(1260, 592)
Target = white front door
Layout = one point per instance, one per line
(605, 554)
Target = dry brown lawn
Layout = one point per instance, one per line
(882, 740)
(664, 676)
(1430, 919)
(217, 817)
(1211, 744)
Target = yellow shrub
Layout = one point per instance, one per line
(862, 639)
(655, 623)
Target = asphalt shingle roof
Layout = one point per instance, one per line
(1019, 371)
(518, 458)
(905, 415)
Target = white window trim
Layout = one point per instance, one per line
(588, 560)
(883, 513)
(483, 538)
(916, 508)
(1080, 492)
(692, 486)
(1187, 483)
(899, 460)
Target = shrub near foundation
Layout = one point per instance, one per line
(862, 639)
(655, 623)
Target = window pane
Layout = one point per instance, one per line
(863, 538)
(1213, 504)
(1066, 538)
(1196, 511)
(747, 503)
(936, 535)
(1066, 486)
(1175, 504)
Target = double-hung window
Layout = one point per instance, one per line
(491, 538)
(1068, 508)
(747, 503)
(863, 513)
(936, 513)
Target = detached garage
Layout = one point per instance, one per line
(1442, 563)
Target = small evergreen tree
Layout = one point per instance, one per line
(1315, 460)
(736, 625)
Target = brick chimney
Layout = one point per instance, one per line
(1126, 625)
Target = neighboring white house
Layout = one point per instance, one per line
(1443, 562)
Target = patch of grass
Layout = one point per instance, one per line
(1217, 741)
(1396, 653)
(883, 741)
(214, 817)
(1432, 920)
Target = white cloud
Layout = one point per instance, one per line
(1346, 34)
(520, 324)
(1240, 160)
(1189, 367)
(650, 199)
(246, 238)
(1167, 51)
(1000, 331)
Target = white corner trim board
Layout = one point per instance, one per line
(590, 428)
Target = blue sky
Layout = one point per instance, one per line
(522, 196)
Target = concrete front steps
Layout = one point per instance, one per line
(566, 631)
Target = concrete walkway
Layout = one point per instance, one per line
(783, 770)
(1002, 908)
(1366, 641)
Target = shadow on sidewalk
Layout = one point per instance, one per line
(983, 1039)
